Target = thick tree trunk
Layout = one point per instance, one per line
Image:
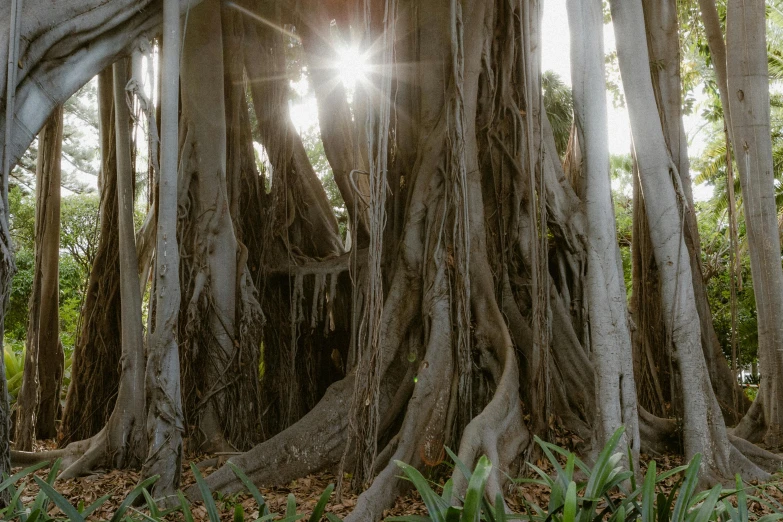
(665, 203)
(7, 267)
(663, 43)
(38, 403)
(656, 374)
(608, 315)
(95, 370)
(165, 421)
(129, 438)
(218, 316)
(122, 442)
(748, 86)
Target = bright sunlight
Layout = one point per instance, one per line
(351, 66)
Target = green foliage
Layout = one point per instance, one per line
(80, 228)
(14, 370)
(621, 169)
(78, 243)
(311, 139)
(559, 107)
(603, 491)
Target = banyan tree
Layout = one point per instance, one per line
(478, 299)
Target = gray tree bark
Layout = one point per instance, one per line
(122, 442)
(748, 96)
(663, 43)
(165, 421)
(665, 203)
(51, 31)
(610, 336)
(95, 369)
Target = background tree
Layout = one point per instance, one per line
(470, 299)
(748, 86)
(38, 403)
(96, 355)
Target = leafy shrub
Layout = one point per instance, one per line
(604, 492)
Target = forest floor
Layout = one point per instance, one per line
(119, 483)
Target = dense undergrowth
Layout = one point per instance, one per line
(577, 492)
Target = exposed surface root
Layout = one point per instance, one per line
(659, 436)
(314, 443)
(753, 424)
(498, 431)
(766, 460)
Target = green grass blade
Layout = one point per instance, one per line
(742, 500)
(42, 500)
(569, 506)
(619, 515)
(21, 474)
(629, 456)
(604, 465)
(89, 510)
(60, 501)
(458, 463)
(131, 498)
(16, 495)
(686, 490)
(733, 515)
(320, 507)
(774, 517)
(707, 508)
(187, 514)
(151, 505)
(239, 513)
(664, 504)
(674, 471)
(453, 514)
(478, 480)
(648, 494)
(290, 510)
(144, 516)
(263, 509)
(500, 508)
(206, 494)
(435, 505)
(448, 491)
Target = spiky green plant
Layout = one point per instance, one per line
(605, 491)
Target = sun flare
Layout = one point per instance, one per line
(351, 66)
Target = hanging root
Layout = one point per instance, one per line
(318, 440)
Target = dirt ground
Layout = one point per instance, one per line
(118, 483)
